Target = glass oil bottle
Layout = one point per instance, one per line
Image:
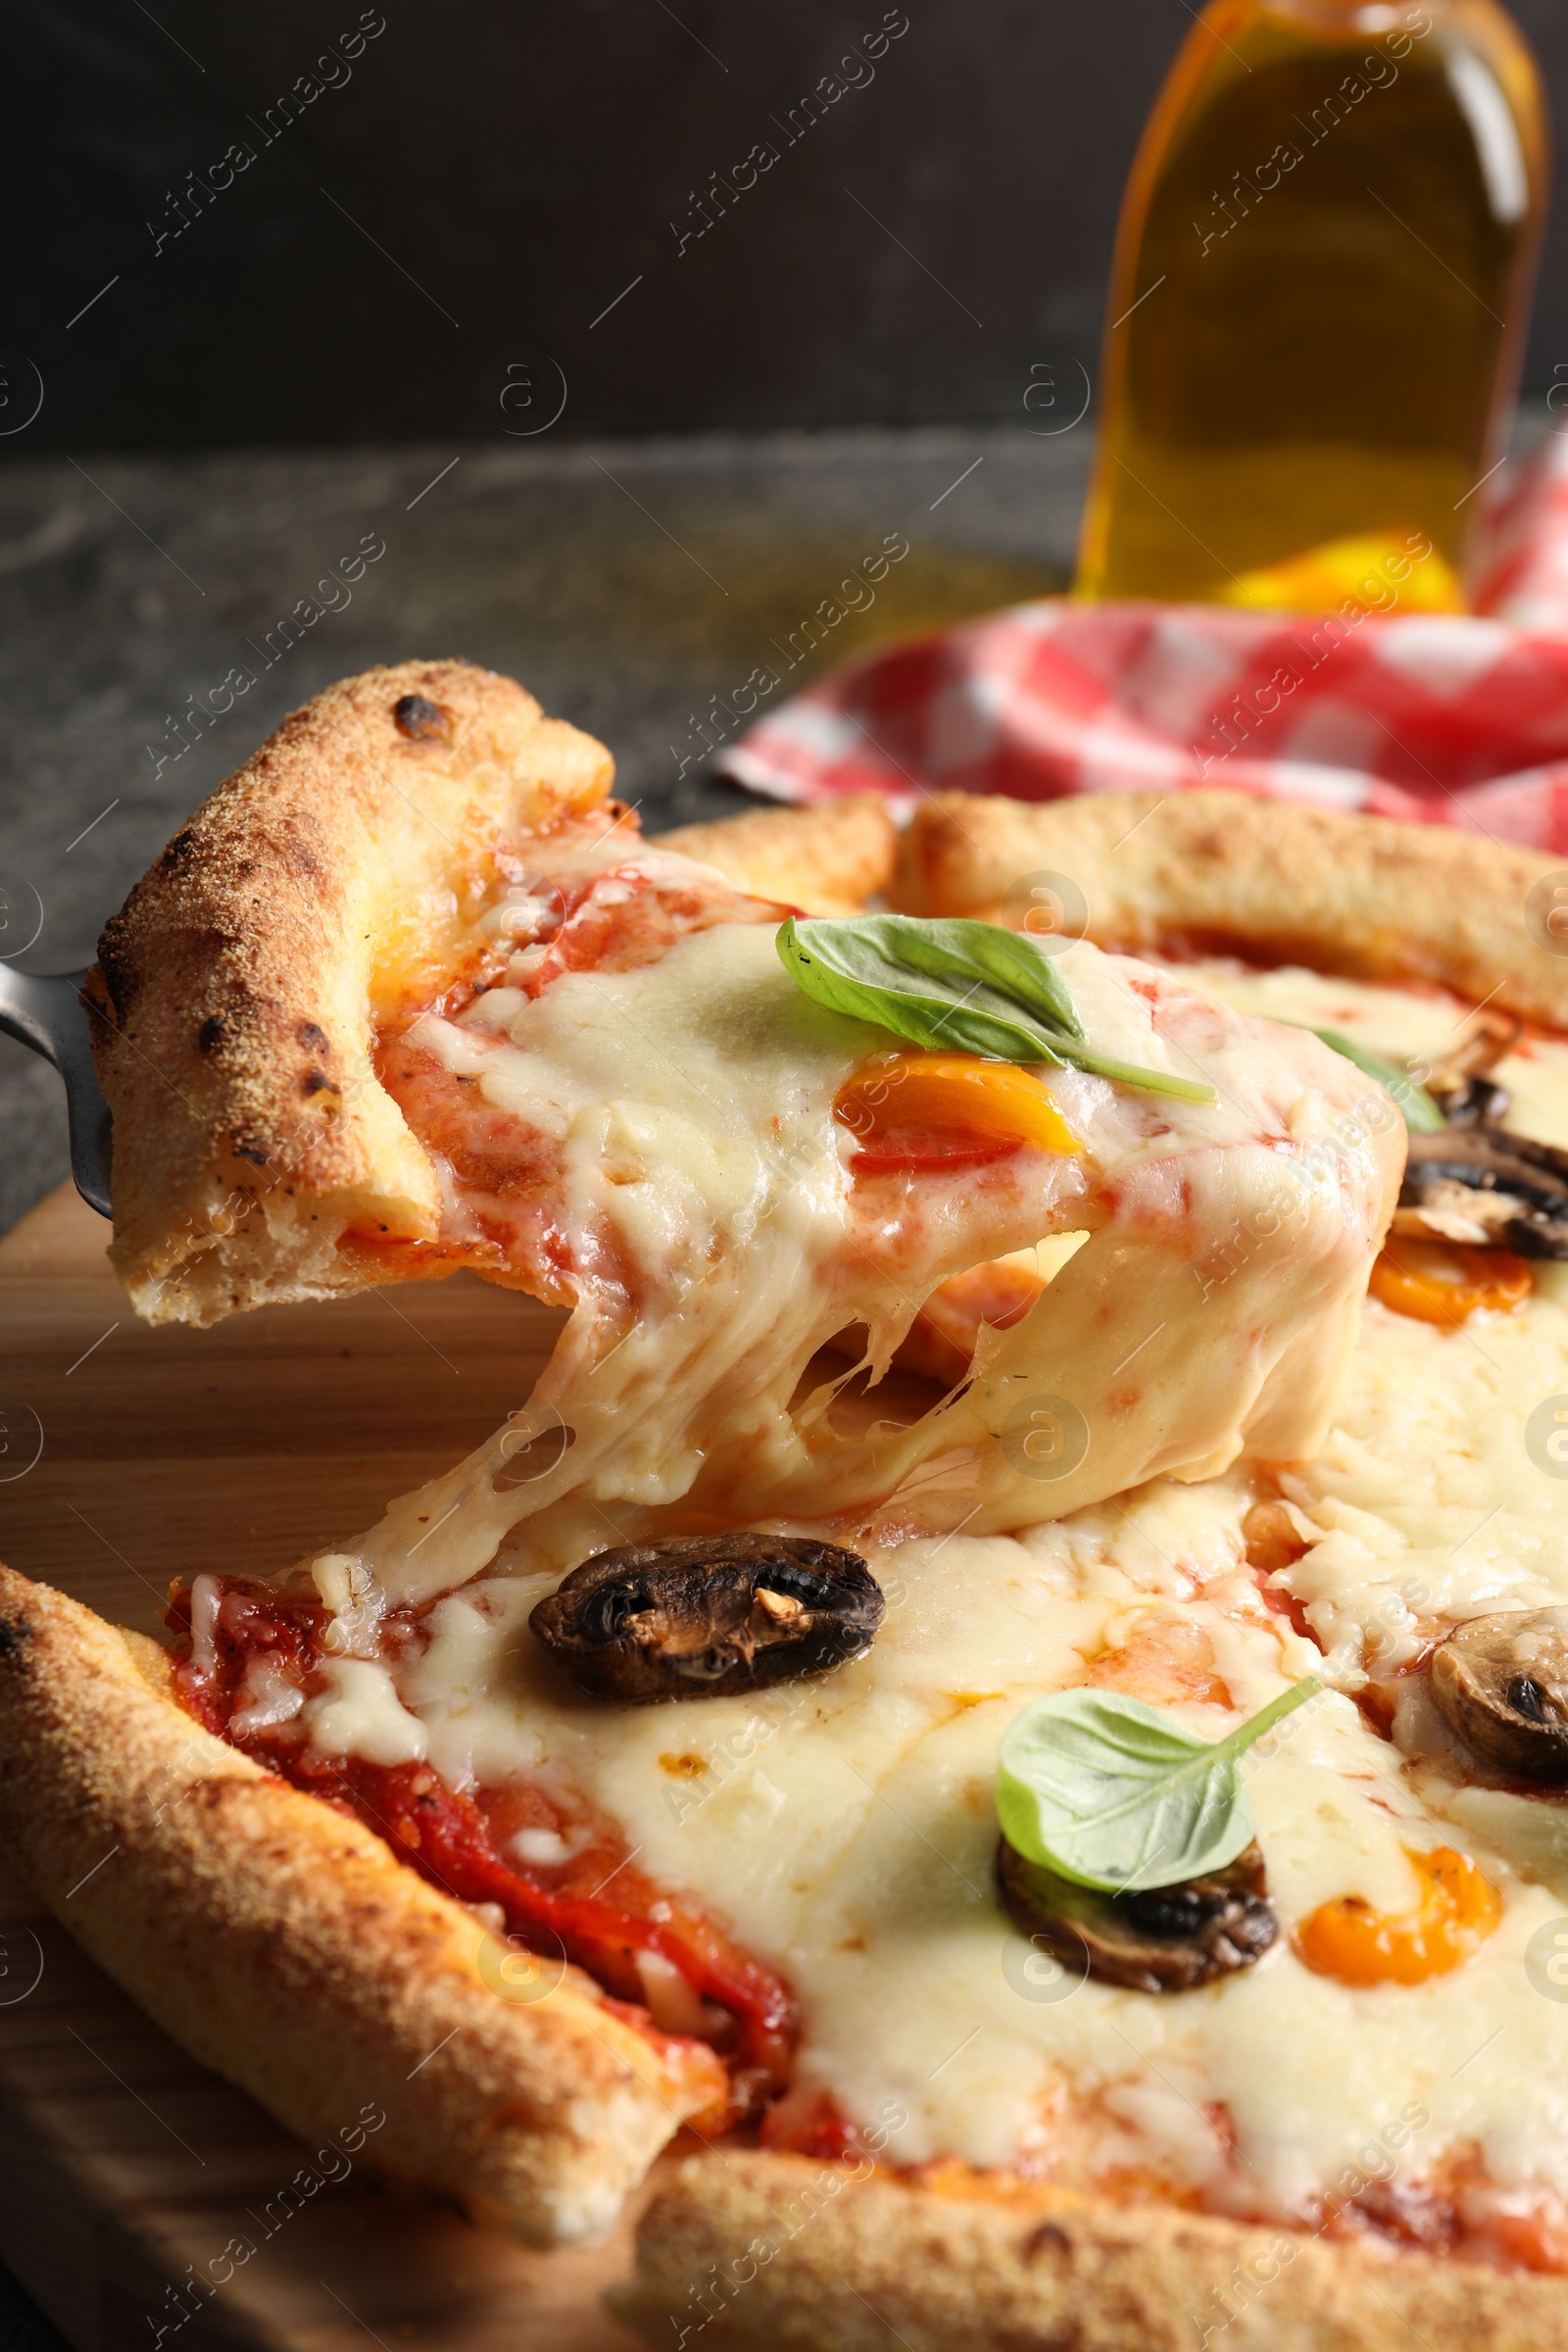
(1322, 280)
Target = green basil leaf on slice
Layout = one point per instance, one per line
(1112, 1793)
(955, 985)
(860, 966)
(954, 948)
(1421, 1114)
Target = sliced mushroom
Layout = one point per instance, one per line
(1164, 1940)
(1482, 1186)
(1468, 1101)
(1502, 1683)
(1463, 1087)
(1473, 1181)
(708, 1615)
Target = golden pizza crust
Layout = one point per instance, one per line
(1224, 872)
(826, 860)
(238, 987)
(759, 2253)
(285, 1947)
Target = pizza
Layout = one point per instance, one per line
(1006, 1690)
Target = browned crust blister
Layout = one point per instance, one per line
(284, 1946)
(1222, 871)
(238, 987)
(761, 2253)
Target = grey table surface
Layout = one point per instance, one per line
(624, 582)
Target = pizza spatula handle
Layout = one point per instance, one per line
(46, 1011)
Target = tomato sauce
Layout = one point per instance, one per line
(592, 1908)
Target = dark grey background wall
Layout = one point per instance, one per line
(482, 179)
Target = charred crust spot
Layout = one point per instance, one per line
(210, 1036)
(95, 990)
(313, 1037)
(1050, 2238)
(422, 721)
(254, 1153)
(15, 1634)
(178, 850)
(315, 1082)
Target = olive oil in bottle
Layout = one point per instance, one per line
(1321, 285)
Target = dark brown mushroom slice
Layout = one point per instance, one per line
(708, 1615)
(1483, 1186)
(1477, 1102)
(1462, 1086)
(1161, 1939)
(1501, 1684)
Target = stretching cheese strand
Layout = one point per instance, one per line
(691, 1194)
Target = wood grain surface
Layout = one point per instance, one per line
(131, 1456)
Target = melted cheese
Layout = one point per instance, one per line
(361, 1714)
(1430, 1499)
(705, 1220)
(845, 1827)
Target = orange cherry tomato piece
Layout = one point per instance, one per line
(1458, 1910)
(1443, 1282)
(946, 1111)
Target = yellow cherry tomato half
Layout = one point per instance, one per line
(946, 1111)
(1443, 1282)
(1457, 1913)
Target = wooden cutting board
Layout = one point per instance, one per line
(129, 1456)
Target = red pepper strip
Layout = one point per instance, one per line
(445, 1835)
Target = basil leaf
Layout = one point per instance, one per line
(955, 947)
(861, 966)
(969, 987)
(1421, 1114)
(1112, 1793)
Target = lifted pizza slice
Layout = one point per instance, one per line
(496, 1029)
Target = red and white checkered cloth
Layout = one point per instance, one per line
(1461, 721)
